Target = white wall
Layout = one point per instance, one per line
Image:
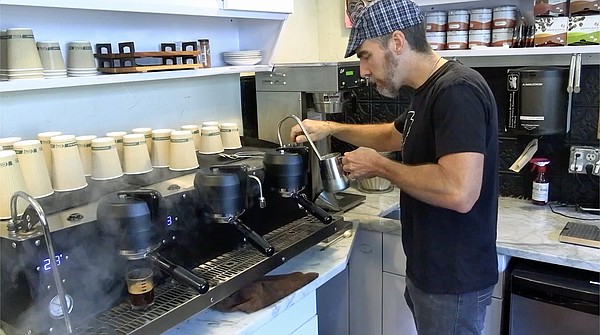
(315, 32)
(96, 110)
(333, 35)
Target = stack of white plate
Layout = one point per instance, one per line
(82, 72)
(248, 57)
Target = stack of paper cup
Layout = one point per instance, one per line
(52, 59)
(33, 166)
(136, 156)
(210, 124)
(67, 170)
(80, 59)
(23, 60)
(161, 143)
(182, 153)
(230, 135)
(118, 136)
(105, 159)
(147, 132)
(3, 56)
(210, 140)
(7, 142)
(12, 180)
(84, 144)
(195, 134)
(45, 140)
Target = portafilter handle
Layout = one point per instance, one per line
(179, 273)
(256, 240)
(299, 122)
(313, 209)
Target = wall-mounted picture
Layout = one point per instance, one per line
(352, 8)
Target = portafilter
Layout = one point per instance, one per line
(286, 173)
(131, 217)
(224, 189)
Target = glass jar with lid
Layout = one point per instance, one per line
(204, 55)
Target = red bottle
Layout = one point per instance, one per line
(541, 186)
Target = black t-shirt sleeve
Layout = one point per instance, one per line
(459, 117)
(399, 122)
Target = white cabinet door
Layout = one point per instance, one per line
(397, 317)
(293, 318)
(311, 327)
(493, 318)
(365, 283)
(394, 260)
(332, 305)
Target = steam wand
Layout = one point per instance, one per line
(15, 224)
(299, 122)
(261, 198)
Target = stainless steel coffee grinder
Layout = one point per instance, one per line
(313, 91)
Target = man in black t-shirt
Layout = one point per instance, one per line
(448, 177)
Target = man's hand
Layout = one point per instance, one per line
(362, 163)
(317, 130)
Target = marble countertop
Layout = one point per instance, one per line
(524, 230)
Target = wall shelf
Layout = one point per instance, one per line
(515, 52)
(211, 8)
(105, 79)
(542, 56)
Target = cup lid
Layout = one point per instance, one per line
(48, 134)
(26, 144)
(133, 137)
(103, 141)
(61, 138)
(85, 137)
(116, 133)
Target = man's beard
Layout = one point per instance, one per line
(389, 84)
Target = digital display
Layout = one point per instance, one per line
(169, 220)
(349, 73)
(46, 265)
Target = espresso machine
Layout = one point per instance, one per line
(308, 91)
(63, 263)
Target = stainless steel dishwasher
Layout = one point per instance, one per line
(553, 300)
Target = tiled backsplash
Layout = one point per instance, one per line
(370, 107)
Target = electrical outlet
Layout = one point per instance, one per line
(583, 156)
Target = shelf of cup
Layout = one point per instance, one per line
(106, 79)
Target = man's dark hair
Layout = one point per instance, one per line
(415, 36)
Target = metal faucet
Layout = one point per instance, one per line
(24, 225)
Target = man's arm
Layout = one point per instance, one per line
(381, 137)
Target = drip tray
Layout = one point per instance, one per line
(225, 274)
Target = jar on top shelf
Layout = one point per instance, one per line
(480, 19)
(458, 20)
(436, 21)
(504, 17)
